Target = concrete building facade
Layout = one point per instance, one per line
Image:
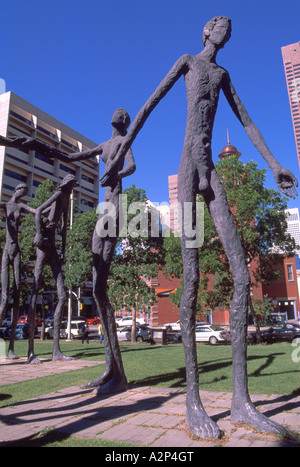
(20, 118)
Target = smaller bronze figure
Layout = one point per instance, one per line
(12, 256)
(113, 379)
(56, 207)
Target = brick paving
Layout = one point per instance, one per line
(142, 416)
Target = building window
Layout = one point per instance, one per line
(65, 168)
(15, 175)
(290, 272)
(44, 158)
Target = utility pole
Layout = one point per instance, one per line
(70, 291)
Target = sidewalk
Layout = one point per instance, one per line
(141, 416)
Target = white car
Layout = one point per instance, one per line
(207, 333)
(172, 326)
(76, 327)
(127, 321)
(210, 333)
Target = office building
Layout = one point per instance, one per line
(293, 222)
(291, 61)
(20, 118)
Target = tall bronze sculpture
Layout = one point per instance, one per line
(204, 80)
(103, 246)
(12, 256)
(55, 208)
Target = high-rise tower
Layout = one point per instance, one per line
(291, 60)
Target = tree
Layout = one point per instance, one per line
(136, 260)
(259, 216)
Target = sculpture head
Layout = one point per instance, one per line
(20, 190)
(217, 31)
(68, 182)
(120, 119)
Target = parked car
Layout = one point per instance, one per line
(6, 322)
(24, 319)
(76, 328)
(207, 333)
(49, 332)
(172, 326)
(143, 333)
(49, 320)
(285, 332)
(92, 321)
(127, 321)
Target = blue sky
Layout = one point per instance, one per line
(79, 60)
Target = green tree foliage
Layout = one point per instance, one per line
(136, 260)
(79, 258)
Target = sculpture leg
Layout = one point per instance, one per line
(242, 410)
(62, 297)
(113, 379)
(16, 305)
(39, 266)
(199, 423)
(4, 285)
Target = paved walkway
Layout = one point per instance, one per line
(141, 416)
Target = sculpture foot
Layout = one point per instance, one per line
(201, 425)
(107, 375)
(112, 386)
(32, 359)
(249, 415)
(12, 356)
(61, 356)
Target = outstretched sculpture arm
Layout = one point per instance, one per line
(28, 208)
(49, 151)
(14, 142)
(284, 178)
(52, 153)
(178, 69)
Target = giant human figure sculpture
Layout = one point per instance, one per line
(103, 246)
(204, 80)
(12, 256)
(55, 208)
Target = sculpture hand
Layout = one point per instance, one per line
(19, 140)
(28, 143)
(286, 182)
(110, 176)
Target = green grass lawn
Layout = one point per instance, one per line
(271, 368)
